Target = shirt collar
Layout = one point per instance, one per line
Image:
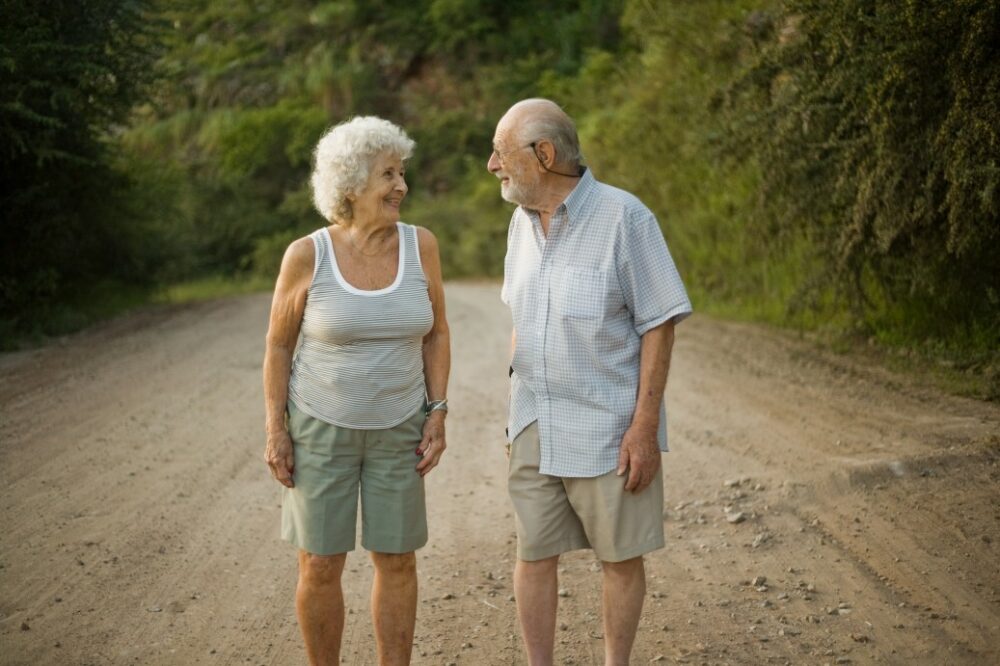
(576, 199)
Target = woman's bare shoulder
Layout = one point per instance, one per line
(427, 239)
(299, 257)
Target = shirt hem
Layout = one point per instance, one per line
(333, 422)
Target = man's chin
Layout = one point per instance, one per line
(507, 195)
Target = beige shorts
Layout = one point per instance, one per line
(558, 514)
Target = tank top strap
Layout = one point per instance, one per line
(413, 266)
(321, 267)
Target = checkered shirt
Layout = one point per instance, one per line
(581, 299)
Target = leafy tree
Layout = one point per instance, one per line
(71, 72)
(877, 128)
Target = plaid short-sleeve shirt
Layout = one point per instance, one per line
(581, 299)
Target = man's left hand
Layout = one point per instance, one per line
(640, 456)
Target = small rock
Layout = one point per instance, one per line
(448, 596)
(783, 596)
(466, 646)
(758, 580)
(563, 626)
(563, 592)
(860, 638)
(658, 657)
(735, 518)
(154, 609)
(25, 626)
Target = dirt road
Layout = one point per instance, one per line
(818, 511)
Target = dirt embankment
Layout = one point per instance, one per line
(818, 511)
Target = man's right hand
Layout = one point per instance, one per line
(280, 457)
(640, 455)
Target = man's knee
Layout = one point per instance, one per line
(541, 567)
(625, 568)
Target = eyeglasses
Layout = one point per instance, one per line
(501, 155)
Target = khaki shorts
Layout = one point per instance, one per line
(558, 514)
(319, 515)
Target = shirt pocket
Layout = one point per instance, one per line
(579, 293)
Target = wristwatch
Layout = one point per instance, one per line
(437, 406)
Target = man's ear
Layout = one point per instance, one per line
(545, 152)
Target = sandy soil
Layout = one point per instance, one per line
(818, 510)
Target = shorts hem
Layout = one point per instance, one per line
(314, 549)
(397, 547)
(535, 553)
(630, 553)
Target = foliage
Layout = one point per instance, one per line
(878, 123)
(248, 87)
(819, 164)
(71, 73)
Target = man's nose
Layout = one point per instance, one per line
(493, 165)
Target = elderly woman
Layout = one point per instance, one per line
(360, 407)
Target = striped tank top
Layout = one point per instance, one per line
(360, 359)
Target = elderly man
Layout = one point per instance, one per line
(594, 295)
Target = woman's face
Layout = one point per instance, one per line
(380, 198)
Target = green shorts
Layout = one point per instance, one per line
(319, 515)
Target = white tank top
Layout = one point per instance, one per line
(360, 361)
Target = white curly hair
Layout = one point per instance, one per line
(344, 157)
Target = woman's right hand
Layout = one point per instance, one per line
(280, 457)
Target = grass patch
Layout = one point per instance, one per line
(209, 288)
(108, 299)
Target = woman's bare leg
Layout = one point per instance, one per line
(394, 606)
(319, 604)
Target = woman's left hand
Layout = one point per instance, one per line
(432, 445)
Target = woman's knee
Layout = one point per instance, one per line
(321, 569)
(395, 563)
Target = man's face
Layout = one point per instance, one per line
(511, 162)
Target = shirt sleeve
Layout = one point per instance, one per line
(653, 290)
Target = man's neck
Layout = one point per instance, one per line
(551, 195)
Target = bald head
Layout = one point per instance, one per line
(538, 119)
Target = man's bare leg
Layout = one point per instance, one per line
(623, 594)
(536, 588)
(394, 606)
(319, 605)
